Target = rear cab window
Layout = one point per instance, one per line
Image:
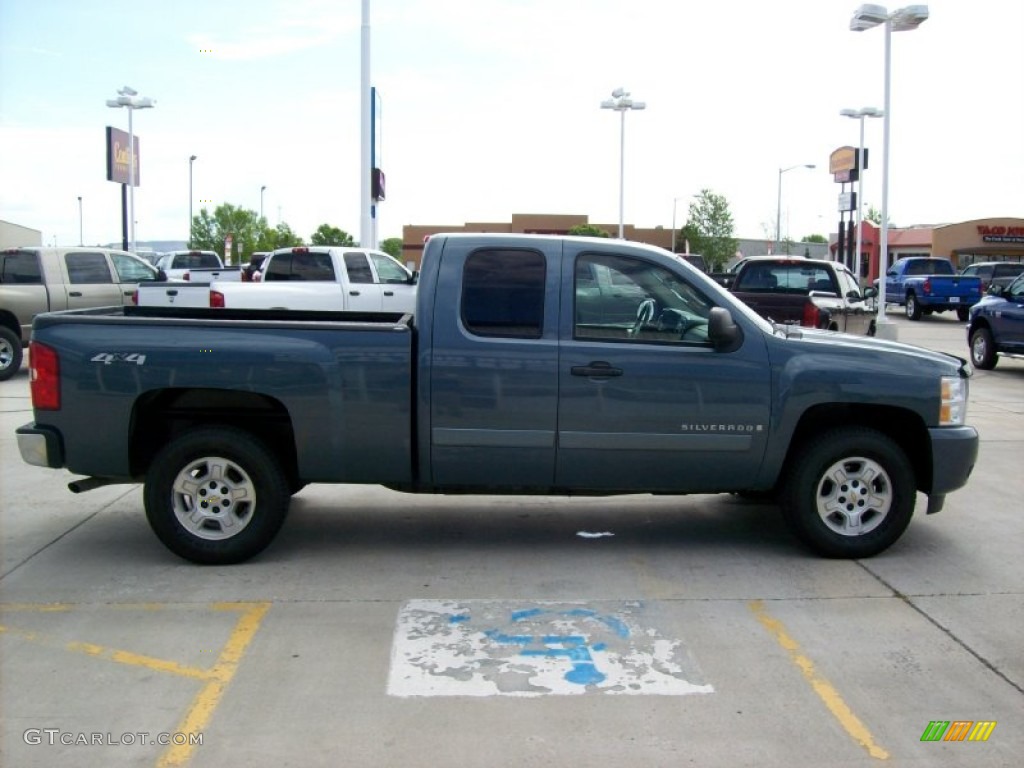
(20, 268)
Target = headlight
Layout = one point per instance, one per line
(953, 410)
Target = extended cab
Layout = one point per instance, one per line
(923, 284)
(534, 364)
(809, 292)
(36, 280)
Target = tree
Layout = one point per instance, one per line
(709, 229)
(281, 237)
(327, 235)
(587, 230)
(245, 226)
(814, 239)
(875, 217)
(392, 246)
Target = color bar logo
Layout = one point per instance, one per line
(958, 730)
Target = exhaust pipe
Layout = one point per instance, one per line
(90, 484)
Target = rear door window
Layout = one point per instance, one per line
(503, 293)
(87, 268)
(358, 268)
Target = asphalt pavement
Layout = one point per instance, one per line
(383, 629)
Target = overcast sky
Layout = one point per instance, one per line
(492, 107)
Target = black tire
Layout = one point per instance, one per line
(877, 484)
(239, 475)
(10, 353)
(963, 314)
(913, 308)
(983, 349)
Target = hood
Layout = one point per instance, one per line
(874, 349)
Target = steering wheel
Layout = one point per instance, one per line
(644, 314)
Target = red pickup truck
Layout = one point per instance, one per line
(809, 292)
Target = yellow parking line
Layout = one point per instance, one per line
(826, 692)
(206, 701)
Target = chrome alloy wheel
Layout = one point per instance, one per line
(213, 498)
(854, 496)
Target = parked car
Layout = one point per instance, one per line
(696, 260)
(925, 284)
(1000, 273)
(195, 266)
(813, 293)
(996, 325)
(37, 280)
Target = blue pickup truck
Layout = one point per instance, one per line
(533, 365)
(996, 325)
(923, 284)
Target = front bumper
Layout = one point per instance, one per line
(954, 452)
(40, 446)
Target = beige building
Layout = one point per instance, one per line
(15, 236)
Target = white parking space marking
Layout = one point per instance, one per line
(509, 648)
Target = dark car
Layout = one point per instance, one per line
(1000, 273)
(997, 325)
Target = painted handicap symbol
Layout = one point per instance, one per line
(573, 647)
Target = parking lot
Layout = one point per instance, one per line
(387, 629)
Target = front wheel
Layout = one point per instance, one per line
(850, 494)
(983, 350)
(216, 495)
(913, 308)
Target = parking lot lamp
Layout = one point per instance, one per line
(900, 20)
(860, 114)
(778, 202)
(621, 103)
(191, 159)
(130, 100)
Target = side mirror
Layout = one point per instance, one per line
(724, 334)
(995, 290)
(161, 276)
(870, 293)
(414, 277)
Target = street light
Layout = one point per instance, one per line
(130, 99)
(621, 102)
(80, 238)
(191, 159)
(262, 190)
(860, 114)
(778, 202)
(900, 20)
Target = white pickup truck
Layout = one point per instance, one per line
(196, 266)
(322, 278)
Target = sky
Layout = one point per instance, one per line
(492, 107)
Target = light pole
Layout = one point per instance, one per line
(80, 239)
(778, 202)
(262, 190)
(130, 99)
(900, 20)
(621, 102)
(191, 159)
(860, 114)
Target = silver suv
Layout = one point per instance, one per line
(36, 280)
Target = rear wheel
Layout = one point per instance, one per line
(216, 495)
(850, 494)
(983, 350)
(913, 308)
(963, 313)
(10, 353)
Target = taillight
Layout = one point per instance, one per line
(217, 299)
(927, 286)
(44, 377)
(811, 315)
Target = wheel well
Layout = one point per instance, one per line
(10, 322)
(161, 416)
(979, 322)
(904, 427)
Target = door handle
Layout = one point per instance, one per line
(76, 294)
(596, 369)
(353, 293)
(172, 292)
(389, 293)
